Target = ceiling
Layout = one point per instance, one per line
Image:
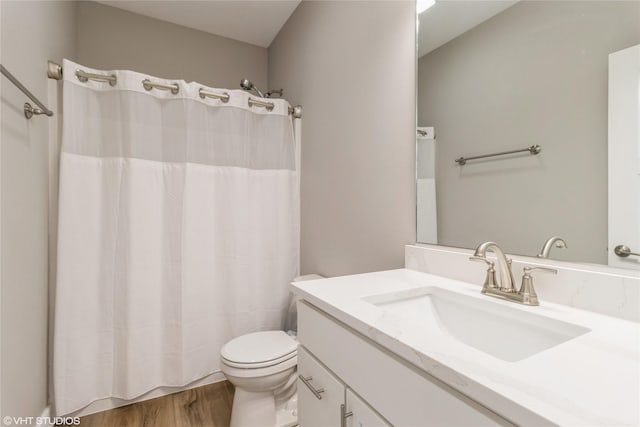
(259, 21)
(447, 19)
(255, 22)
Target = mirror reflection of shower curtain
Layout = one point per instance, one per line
(427, 218)
(178, 230)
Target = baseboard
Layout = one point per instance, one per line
(110, 403)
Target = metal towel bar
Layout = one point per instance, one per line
(534, 149)
(29, 111)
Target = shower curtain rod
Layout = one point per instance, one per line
(54, 71)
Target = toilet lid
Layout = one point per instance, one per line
(258, 348)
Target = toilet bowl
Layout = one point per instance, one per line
(262, 367)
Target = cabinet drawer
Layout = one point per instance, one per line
(319, 395)
(401, 393)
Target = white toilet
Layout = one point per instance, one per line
(262, 367)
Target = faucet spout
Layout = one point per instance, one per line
(506, 282)
(559, 243)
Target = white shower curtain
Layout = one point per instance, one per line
(178, 230)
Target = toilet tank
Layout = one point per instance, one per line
(291, 321)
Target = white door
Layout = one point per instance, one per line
(359, 414)
(624, 157)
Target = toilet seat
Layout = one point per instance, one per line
(232, 371)
(257, 365)
(259, 350)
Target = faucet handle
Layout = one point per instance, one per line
(527, 292)
(528, 270)
(490, 279)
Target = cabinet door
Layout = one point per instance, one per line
(359, 414)
(320, 394)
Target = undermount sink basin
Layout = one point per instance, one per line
(507, 333)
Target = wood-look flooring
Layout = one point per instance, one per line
(207, 406)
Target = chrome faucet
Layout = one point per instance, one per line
(504, 265)
(559, 243)
(505, 288)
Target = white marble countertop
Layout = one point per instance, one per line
(593, 379)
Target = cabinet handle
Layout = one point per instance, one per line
(316, 391)
(344, 415)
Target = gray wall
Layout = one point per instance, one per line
(111, 38)
(534, 74)
(352, 66)
(32, 32)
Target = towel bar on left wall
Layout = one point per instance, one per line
(29, 110)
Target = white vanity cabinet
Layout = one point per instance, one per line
(376, 387)
(324, 401)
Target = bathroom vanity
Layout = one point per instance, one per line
(407, 348)
(364, 385)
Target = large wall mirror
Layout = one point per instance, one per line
(501, 76)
